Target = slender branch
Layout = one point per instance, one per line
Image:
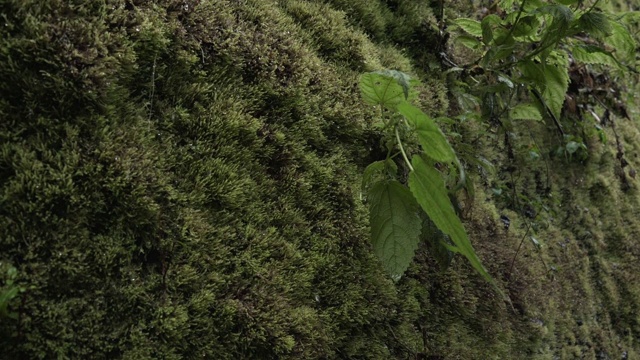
(515, 22)
(551, 114)
(592, 6)
(518, 250)
(529, 56)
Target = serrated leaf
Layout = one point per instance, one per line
(492, 19)
(589, 54)
(533, 5)
(404, 80)
(557, 82)
(622, 41)
(395, 225)
(378, 89)
(560, 13)
(525, 112)
(472, 27)
(562, 17)
(502, 35)
(506, 5)
(433, 141)
(631, 15)
(526, 26)
(595, 23)
(558, 57)
(428, 188)
(487, 25)
(469, 41)
(533, 73)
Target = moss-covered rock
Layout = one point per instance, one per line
(178, 182)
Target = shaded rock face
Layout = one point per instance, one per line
(179, 180)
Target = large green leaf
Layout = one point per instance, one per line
(557, 82)
(561, 14)
(595, 23)
(530, 6)
(395, 225)
(469, 41)
(433, 141)
(428, 188)
(622, 41)
(487, 25)
(526, 26)
(407, 82)
(506, 5)
(472, 27)
(525, 112)
(379, 89)
(559, 27)
(533, 73)
(375, 170)
(590, 54)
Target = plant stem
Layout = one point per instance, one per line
(592, 6)
(517, 251)
(404, 155)
(551, 114)
(515, 23)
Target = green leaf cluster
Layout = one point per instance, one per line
(522, 74)
(395, 209)
(525, 57)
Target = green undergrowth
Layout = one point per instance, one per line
(180, 179)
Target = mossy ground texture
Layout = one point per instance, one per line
(179, 180)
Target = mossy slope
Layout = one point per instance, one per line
(178, 180)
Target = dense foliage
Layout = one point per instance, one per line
(396, 222)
